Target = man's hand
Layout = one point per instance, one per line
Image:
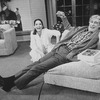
(60, 14)
(70, 56)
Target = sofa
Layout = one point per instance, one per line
(70, 79)
(8, 43)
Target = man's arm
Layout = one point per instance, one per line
(90, 45)
(65, 22)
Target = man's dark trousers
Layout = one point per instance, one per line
(51, 60)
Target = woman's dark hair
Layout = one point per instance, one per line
(2, 13)
(41, 23)
(17, 8)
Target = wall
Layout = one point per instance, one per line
(29, 10)
(38, 10)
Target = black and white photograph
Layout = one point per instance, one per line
(49, 49)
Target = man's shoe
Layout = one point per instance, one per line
(6, 86)
(7, 83)
(1, 82)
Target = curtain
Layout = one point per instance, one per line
(50, 12)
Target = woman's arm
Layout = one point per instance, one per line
(32, 41)
(34, 46)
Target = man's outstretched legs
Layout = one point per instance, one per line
(22, 72)
(21, 80)
(8, 83)
(38, 69)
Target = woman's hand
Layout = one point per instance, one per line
(44, 50)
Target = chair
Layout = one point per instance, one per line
(9, 44)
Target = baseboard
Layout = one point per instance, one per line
(23, 35)
(23, 38)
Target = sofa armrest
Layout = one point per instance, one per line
(10, 38)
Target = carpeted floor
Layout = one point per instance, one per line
(10, 65)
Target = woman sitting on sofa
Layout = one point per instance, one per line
(41, 40)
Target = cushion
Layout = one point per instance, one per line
(5, 26)
(77, 69)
